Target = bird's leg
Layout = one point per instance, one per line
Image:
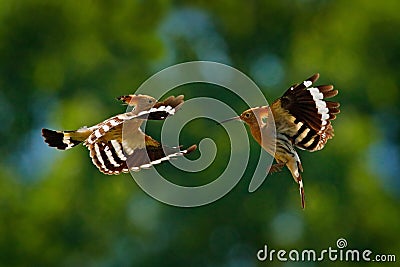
(276, 167)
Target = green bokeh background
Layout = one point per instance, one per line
(64, 62)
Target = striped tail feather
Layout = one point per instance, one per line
(302, 194)
(65, 139)
(313, 114)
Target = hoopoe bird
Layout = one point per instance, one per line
(302, 119)
(113, 153)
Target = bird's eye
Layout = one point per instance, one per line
(247, 115)
(150, 101)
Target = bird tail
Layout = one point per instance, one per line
(295, 167)
(65, 139)
(302, 195)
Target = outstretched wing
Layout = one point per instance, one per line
(170, 104)
(145, 158)
(113, 126)
(114, 153)
(111, 157)
(108, 157)
(309, 112)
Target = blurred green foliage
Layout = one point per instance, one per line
(64, 62)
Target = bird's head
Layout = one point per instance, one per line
(255, 116)
(140, 102)
(248, 116)
(252, 116)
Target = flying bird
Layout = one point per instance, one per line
(302, 119)
(118, 145)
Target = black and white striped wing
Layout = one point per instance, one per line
(157, 113)
(110, 157)
(166, 108)
(117, 121)
(312, 113)
(145, 158)
(113, 155)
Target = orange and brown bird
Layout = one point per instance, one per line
(118, 144)
(302, 118)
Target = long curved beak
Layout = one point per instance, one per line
(231, 119)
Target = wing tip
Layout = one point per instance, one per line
(191, 149)
(314, 78)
